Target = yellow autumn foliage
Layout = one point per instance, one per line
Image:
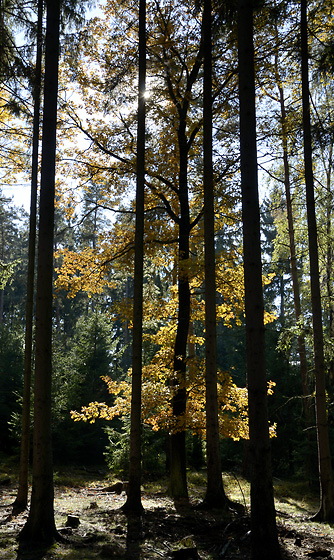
(157, 404)
(160, 382)
(109, 124)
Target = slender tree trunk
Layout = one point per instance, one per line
(326, 511)
(2, 292)
(197, 458)
(293, 261)
(2, 301)
(264, 539)
(22, 494)
(40, 526)
(178, 477)
(133, 503)
(215, 495)
(296, 292)
(329, 256)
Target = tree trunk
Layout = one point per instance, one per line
(329, 257)
(215, 495)
(264, 539)
(2, 298)
(326, 511)
(133, 503)
(178, 478)
(293, 260)
(40, 526)
(22, 494)
(2, 292)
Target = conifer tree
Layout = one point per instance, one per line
(326, 511)
(133, 503)
(264, 538)
(215, 495)
(22, 493)
(40, 526)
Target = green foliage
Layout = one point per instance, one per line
(294, 449)
(91, 352)
(118, 447)
(153, 449)
(6, 272)
(87, 343)
(11, 370)
(13, 261)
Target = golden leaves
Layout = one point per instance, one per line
(157, 393)
(80, 271)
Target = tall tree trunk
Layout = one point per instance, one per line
(326, 510)
(22, 494)
(2, 292)
(2, 298)
(215, 495)
(293, 259)
(40, 526)
(329, 257)
(133, 503)
(264, 539)
(178, 477)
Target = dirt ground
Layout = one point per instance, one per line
(165, 531)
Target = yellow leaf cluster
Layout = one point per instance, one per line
(109, 123)
(157, 393)
(80, 271)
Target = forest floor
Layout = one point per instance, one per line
(165, 530)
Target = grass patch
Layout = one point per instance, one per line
(77, 477)
(295, 497)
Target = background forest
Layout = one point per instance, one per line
(94, 234)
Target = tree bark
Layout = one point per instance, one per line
(264, 539)
(40, 526)
(293, 261)
(215, 495)
(326, 510)
(178, 479)
(329, 257)
(133, 503)
(22, 493)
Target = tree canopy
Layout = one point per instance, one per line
(141, 174)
